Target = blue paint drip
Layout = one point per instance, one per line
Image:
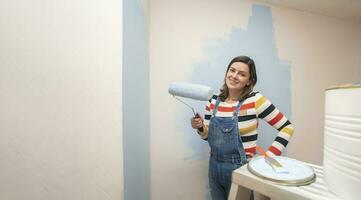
(274, 75)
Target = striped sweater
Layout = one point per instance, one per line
(254, 107)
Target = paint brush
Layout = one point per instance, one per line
(276, 166)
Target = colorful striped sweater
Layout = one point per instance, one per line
(254, 107)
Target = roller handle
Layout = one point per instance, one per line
(198, 116)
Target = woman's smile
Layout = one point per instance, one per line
(234, 82)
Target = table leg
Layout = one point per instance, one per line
(238, 192)
(259, 196)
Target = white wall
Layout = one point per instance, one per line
(60, 100)
(322, 51)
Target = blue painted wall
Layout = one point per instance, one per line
(274, 75)
(136, 129)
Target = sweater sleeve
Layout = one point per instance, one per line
(269, 113)
(207, 116)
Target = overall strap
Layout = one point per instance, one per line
(216, 107)
(238, 108)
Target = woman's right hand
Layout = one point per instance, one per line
(197, 122)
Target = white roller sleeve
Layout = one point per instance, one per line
(190, 90)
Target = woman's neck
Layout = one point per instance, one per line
(233, 96)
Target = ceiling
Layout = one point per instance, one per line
(344, 9)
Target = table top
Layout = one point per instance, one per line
(316, 190)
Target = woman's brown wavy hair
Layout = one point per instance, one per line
(253, 78)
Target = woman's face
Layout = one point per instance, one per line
(237, 76)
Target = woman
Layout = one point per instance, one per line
(231, 121)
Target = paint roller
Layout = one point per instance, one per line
(191, 91)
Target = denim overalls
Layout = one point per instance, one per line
(227, 152)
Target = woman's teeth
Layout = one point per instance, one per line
(233, 82)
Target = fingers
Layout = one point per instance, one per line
(197, 121)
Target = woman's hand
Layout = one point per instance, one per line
(197, 122)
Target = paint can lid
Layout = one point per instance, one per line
(299, 173)
(345, 86)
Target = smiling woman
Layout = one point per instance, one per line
(231, 121)
(240, 78)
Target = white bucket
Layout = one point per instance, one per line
(342, 141)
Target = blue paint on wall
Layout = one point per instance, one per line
(136, 128)
(274, 75)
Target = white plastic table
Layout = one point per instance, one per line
(243, 181)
